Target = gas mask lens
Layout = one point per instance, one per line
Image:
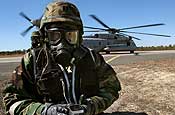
(56, 35)
(72, 37)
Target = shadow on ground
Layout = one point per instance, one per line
(124, 113)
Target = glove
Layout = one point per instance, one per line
(55, 109)
(88, 107)
(76, 109)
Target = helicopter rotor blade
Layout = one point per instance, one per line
(98, 20)
(26, 31)
(37, 22)
(25, 16)
(135, 38)
(146, 34)
(94, 31)
(142, 26)
(130, 36)
(94, 28)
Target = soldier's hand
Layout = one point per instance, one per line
(88, 107)
(55, 109)
(76, 109)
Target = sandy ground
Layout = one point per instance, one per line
(12, 55)
(148, 88)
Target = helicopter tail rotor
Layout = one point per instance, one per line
(35, 23)
(26, 31)
(25, 16)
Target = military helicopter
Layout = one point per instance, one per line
(114, 39)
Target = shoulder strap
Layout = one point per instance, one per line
(92, 55)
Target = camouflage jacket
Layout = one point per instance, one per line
(21, 96)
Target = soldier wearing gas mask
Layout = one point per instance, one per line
(61, 77)
(35, 39)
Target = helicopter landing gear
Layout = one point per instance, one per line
(132, 51)
(107, 52)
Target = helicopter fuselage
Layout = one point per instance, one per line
(109, 43)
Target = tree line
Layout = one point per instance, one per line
(151, 48)
(13, 52)
(142, 48)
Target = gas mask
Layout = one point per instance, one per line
(63, 43)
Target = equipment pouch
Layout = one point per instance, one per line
(50, 85)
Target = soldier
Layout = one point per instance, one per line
(61, 77)
(35, 39)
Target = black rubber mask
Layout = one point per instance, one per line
(63, 42)
(62, 52)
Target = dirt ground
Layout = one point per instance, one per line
(148, 88)
(11, 55)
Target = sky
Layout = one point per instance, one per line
(114, 13)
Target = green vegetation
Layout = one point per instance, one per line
(150, 48)
(15, 52)
(142, 48)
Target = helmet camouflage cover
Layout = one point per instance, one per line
(35, 34)
(61, 12)
(35, 39)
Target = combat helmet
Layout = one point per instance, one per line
(36, 40)
(35, 34)
(61, 12)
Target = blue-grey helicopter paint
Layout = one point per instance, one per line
(109, 42)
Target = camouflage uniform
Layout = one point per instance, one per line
(21, 96)
(94, 79)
